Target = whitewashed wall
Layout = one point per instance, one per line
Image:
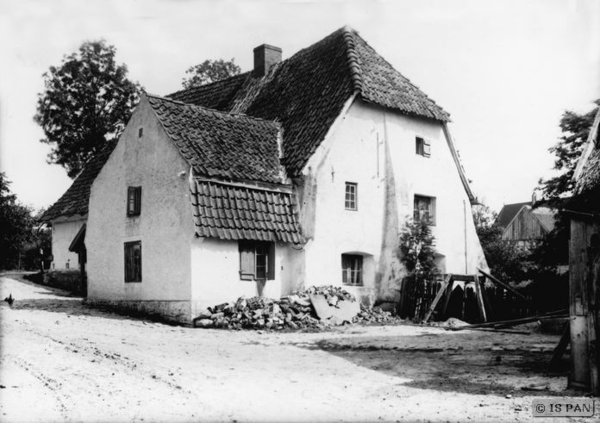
(63, 232)
(376, 149)
(216, 277)
(165, 226)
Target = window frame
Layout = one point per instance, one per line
(133, 275)
(134, 201)
(351, 203)
(353, 267)
(431, 212)
(257, 260)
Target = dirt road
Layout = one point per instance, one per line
(63, 361)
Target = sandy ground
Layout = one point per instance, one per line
(64, 361)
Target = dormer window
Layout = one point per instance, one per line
(422, 147)
(134, 201)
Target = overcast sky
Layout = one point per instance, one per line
(505, 70)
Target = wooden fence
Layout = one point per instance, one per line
(500, 304)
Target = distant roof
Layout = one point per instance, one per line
(75, 200)
(308, 91)
(508, 212)
(234, 212)
(221, 145)
(546, 216)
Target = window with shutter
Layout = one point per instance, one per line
(422, 147)
(257, 260)
(134, 201)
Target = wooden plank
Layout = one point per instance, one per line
(437, 298)
(464, 278)
(480, 304)
(448, 295)
(486, 300)
(514, 322)
(503, 285)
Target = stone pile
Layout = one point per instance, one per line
(291, 312)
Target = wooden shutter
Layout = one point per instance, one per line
(138, 200)
(426, 148)
(271, 262)
(246, 261)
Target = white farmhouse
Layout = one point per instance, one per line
(300, 172)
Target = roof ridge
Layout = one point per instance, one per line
(204, 86)
(215, 111)
(353, 59)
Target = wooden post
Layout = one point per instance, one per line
(448, 295)
(480, 304)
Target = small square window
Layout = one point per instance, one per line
(140, 132)
(424, 209)
(351, 200)
(133, 261)
(352, 269)
(257, 260)
(134, 201)
(422, 147)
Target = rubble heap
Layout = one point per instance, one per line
(292, 312)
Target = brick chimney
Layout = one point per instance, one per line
(265, 56)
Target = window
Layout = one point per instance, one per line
(257, 260)
(352, 269)
(351, 196)
(424, 209)
(134, 201)
(422, 147)
(133, 261)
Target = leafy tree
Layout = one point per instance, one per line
(507, 261)
(575, 128)
(417, 249)
(210, 71)
(87, 100)
(16, 223)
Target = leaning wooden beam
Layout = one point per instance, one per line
(515, 322)
(437, 298)
(504, 285)
(518, 332)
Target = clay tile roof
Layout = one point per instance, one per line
(308, 91)
(76, 199)
(587, 174)
(221, 145)
(235, 211)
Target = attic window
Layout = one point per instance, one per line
(423, 147)
(134, 201)
(140, 132)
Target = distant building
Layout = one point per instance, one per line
(525, 224)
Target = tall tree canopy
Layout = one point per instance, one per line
(16, 223)
(575, 128)
(87, 100)
(210, 71)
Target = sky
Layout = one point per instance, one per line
(505, 70)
